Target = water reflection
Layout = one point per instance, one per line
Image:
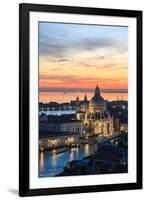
(54, 158)
(52, 164)
(86, 149)
(41, 161)
(71, 155)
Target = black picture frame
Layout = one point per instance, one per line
(24, 173)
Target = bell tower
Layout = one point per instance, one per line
(97, 90)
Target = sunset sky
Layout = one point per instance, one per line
(75, 57)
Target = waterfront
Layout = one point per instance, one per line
(51, 165)
(58, 112)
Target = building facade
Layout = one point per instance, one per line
(57, 140)
(55, 131)
(68, 127)
(95, 116)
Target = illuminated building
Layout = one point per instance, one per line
(95, 116)
(59, 130)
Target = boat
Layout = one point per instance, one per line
(60, 150)
(74, 145)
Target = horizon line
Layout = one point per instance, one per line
(82, 90)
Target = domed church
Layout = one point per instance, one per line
(95, 116)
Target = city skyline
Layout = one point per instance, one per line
(76, 57)
(90, 137)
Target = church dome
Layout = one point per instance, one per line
(97, 101)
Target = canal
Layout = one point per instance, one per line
(52, 164)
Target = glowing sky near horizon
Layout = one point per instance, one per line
(74, 56)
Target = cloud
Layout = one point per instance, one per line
(58, 77)
(62, 60)
(112, 67)
(55, 69)
(61, 47)
(73, 80)
(95, 43)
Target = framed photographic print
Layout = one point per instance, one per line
(80, 99)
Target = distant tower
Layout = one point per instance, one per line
(85, 98)
(97, 91)
(84, 104)
(77, 99)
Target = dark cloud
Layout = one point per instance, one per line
(49, 89)
(68, 78)
(58, 77)
(62, 60)
(112, 66)
(92, 44)
(76, 79)
(55, 60)
(101, 57)
(58, 47)
(54, 69)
